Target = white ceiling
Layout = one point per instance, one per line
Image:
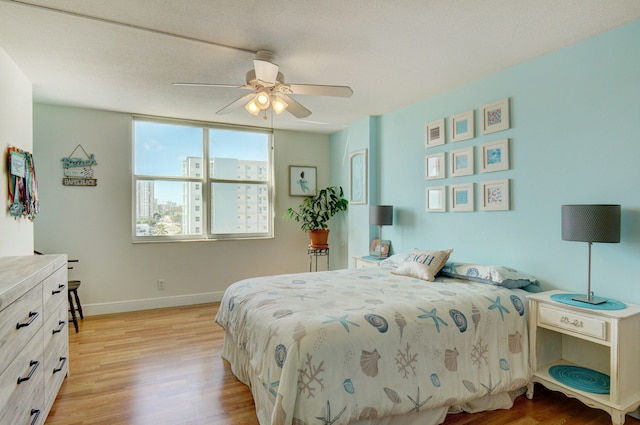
(391, 53)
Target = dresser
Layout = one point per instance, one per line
(34, 342)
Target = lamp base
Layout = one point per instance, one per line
(591, 300)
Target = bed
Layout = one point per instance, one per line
(377, 346)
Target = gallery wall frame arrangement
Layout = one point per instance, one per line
(495, 116)
(434, 166)
(358, 177)
(495, 156)
(434, 133)
(302, 180)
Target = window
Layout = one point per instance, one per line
(194, 181)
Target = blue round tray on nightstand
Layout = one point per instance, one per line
(568, 299)
(581, 378)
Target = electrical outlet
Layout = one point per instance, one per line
(161, 286)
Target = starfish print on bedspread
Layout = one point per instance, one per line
(432, 315)
(327, 419)
(272, 387)
(343, 321)
(416, 403)
(496, 304)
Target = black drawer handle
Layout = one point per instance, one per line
(60, 288)
(34, 365)
(37, 413)
(61, 324)
(63, 360)
(33, 315)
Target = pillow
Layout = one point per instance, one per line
(423, 264)
(395, 260)
(496, 275)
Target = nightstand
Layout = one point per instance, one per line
(605, 341)
(366, 261)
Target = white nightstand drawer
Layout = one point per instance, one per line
(573, 322)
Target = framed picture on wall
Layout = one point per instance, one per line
(358, 177)
(461, 162)
(302, 180)
(434, 133)
(434, 166)
(495, 195)
(435, 199)
(461, 197)
(495, 156)
(462, 126)
(495, 116)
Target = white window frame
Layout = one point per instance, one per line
(205, 182)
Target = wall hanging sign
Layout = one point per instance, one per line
(23, 185)
(78, 171)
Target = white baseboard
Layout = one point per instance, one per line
(150, 303)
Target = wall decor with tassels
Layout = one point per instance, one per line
(23, 185)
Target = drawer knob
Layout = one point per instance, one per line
(36, 413)
(60, 288)
(577, 323)
(33, 315)
(34, 365)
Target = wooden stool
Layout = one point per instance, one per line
(73, 288)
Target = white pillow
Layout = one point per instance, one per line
(423, 264)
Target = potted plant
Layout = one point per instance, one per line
(315, 211)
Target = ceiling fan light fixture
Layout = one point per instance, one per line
(252, 108)
(262, 100)
(279, 105)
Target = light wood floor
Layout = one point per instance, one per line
(164, 367)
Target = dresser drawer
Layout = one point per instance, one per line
(19, 322)
(54, 291)
(20, 398)
(56, 352)
(573, 322)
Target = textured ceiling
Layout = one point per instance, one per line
(392, 53)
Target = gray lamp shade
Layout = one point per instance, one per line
(591, 223)
(381, 215)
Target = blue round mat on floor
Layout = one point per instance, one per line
(609, 305)
(581, 378)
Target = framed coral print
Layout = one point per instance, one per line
(495, 156)
(436, 199)
(461, 197)
(495, 195)
(495, 116)
(461, 162)
(302, 180)
(434, 166)
(462, 126)
(434, 133)
(358, 177)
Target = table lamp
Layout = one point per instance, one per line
(380, 215)
(591, 223)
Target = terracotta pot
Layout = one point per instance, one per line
(319, 238)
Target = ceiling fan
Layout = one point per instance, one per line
(268, 88)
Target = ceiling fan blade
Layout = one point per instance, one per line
(236, 103)
(320, 90)
(294, 108)
(232, 86)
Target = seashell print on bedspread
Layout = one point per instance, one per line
(332, 347)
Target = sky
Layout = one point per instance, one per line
(160, 149)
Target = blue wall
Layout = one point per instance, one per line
(574, 138)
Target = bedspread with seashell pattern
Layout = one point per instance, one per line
(332, 347)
